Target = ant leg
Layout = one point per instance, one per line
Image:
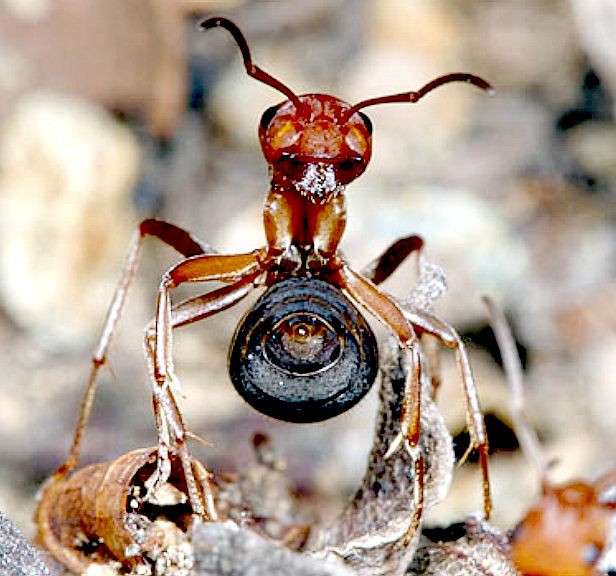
(173, 236)
(447, 336)
(245, 269)
(172, 433)
(187, 312)
(378, 303)
(382, 268)
(388, 312)
(200, 307)
(168, 415)
(386, 264)
(241, 268)
(202, 268)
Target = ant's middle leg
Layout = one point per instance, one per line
(242, 269)
(382, 268)
(387, 263)
(173, 236)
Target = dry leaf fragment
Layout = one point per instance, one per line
(100, 514)
(481, 551)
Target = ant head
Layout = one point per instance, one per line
(315, 143)
(312, 148)
(564, 533)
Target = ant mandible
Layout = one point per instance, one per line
(314, 144)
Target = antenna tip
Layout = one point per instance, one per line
(213, 22)
(481, 83)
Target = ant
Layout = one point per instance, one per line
(567, 531)
(304, 353)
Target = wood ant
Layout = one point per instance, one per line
(566, 532)
(304, 353)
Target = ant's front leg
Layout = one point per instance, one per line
(244, 271)
(176, 238)
(389, 313)
(282, 216)
(325, 224)
(429, 324)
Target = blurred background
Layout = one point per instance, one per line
(111, 112)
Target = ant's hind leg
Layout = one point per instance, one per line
(426, 323)
(388, 312)
(173, 236)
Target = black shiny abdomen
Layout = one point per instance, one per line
(303, 353)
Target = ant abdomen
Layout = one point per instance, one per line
(303, 353)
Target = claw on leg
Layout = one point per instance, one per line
(394, 446)
(418, 493)
(160, 476)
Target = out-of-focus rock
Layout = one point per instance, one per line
(512, 134)
(407, 45)
(576, 231)
(524, 44)
(591, 146)
(68, 171)
(17, 556)
(125, 55)
(600, 367)
(596, 20)
(426, 28)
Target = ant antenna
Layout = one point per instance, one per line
(413, 97)
(252, 69)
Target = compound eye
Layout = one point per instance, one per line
(267, 116)
(367, 122)
(283, 135)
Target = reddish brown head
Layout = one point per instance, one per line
(563, 534)
(316, 143)
(314, 149)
